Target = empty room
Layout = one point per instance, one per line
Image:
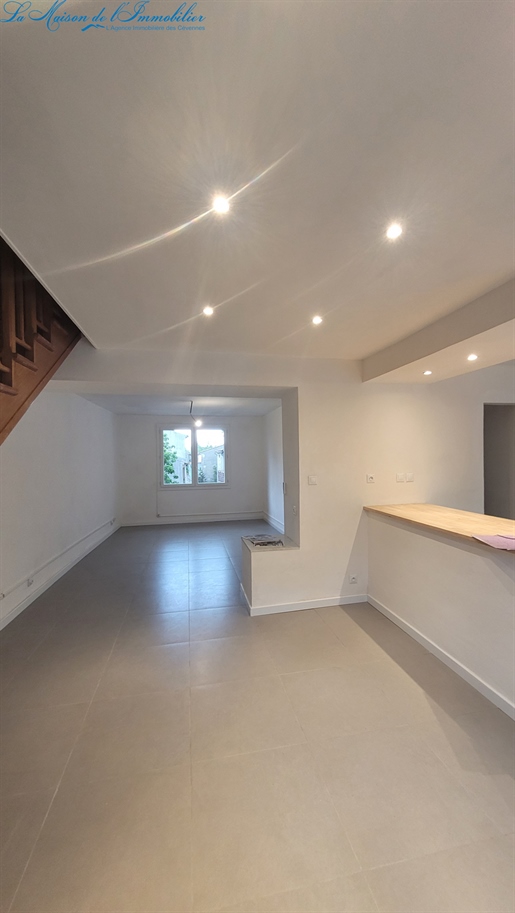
(257, 475)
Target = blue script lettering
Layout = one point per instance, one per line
(14, 10)
(124, 13)
(179, 16)
(53, 21)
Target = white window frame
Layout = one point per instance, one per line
(194, 485)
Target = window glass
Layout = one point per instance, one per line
(177, 457)
(210, 456)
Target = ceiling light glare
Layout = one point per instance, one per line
(208, 310)
(427, 373)
(394, 231)
(198, 423)
(221, 204)
(316, 320)
(472, 358)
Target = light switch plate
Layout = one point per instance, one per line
(401, 477)
(410, 477)
(312, 480)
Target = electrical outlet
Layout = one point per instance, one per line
(294, 509)
(353, 578)
(30, 581)
(370, 478)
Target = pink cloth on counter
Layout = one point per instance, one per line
(505, 542)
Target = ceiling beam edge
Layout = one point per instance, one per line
(489, 310)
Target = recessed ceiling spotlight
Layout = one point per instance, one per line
(316, 320)
(472, 358)
(221, 204)
(198, 423)
(394, 231)
(427, 373)
(208, 310)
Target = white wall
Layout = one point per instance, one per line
(274, 507)
(57, 492)
(140, 499)
(455, 597)
(346, 429)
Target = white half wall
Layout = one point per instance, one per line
(456, 598)
(274, 507)
(57, 494)
(143, 502)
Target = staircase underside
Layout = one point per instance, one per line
(35, 338)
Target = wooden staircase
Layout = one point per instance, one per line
(35, 338)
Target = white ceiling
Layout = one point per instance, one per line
(203, 406)
(344, 116)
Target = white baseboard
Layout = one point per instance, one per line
(486, 690)
(18, 597)
(305, 604)
(167, 520)
(272, 521)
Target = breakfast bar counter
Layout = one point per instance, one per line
(461, 523)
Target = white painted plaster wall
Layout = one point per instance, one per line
(57, 492)
(140, 498)
(457, 598)
(273, 433)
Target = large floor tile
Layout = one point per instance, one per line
(477, 878)
(295, 649)
(242, 716)
(334, 701)
(199, 577)
(55, 674)
(480, 750)
(21, 819)
(228, 658)
(114, 846)
(209, 551)
(217, 595)
(262, 824)
(78, 632)
(442, 686)
(341, 895)
(130, 735)
(396, 799)
(35, 745)
(139, 631)
(306, 622)
(359, 646)
(161, 599)
(386, 635)
(137, 671)
(210, 624)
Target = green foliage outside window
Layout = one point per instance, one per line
(170, 457)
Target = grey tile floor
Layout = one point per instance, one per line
(162, 752)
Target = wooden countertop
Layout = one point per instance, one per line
(459, 523)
